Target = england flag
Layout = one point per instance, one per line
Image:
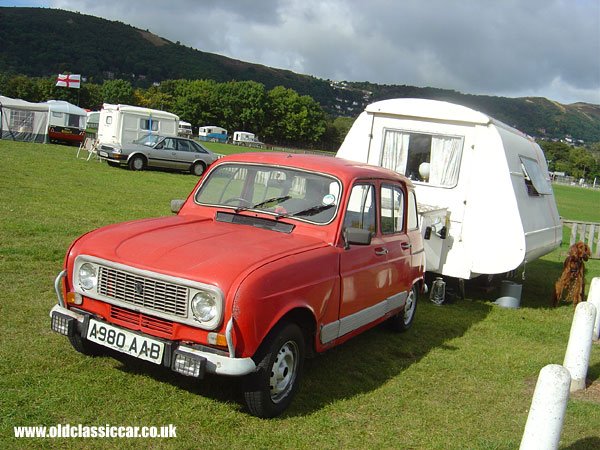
(70, 81)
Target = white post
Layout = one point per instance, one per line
(577, 357)
(548, 407)
(594, 298)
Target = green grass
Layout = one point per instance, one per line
(462, 377)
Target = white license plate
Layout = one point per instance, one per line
(125, 341)
(103, 154)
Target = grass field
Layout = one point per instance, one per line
(461, 378)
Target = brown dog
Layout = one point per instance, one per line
(572, 278)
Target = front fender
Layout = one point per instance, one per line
(307, 281)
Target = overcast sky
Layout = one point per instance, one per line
(514, 48)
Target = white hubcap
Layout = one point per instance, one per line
(283, 372)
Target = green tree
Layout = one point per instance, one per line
(292, 118)
(582, 162)
(117, 91)
(240, 105)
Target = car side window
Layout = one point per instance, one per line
(197, 148)
(413, 216)
(361, 211)
(183, 146)
(169, 144)
(392, 209)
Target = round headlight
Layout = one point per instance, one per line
(87, 276)
(204, 306)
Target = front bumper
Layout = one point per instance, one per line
(180, 358)
(112, 157)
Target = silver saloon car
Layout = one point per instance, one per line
(160, 151)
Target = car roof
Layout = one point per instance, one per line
(339, 167)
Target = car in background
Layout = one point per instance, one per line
(159, 151)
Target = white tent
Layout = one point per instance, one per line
(23, 121)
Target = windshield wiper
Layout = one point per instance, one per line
(272, 200)
(312, 211)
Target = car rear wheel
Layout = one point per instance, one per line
(137, 163)
(198, 169)
(269, 391)
(403, 320)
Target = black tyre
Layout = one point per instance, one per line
(86, 347)
(403, 320)
(137, 163)
(198, 169)
(269, 391)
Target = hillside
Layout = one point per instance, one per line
(100, 49)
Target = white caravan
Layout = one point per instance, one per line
(66, 121)
(123, 124)
(246, 139)
(212, 133)
(185, 129)
(486, 202)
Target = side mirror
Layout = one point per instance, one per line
(176, 205)
(356, 236)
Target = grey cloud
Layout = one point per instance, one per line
(511, 47)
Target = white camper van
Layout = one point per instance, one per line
(123, 124)
(486, 202)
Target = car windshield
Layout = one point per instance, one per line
(148, 139)
(280, 191)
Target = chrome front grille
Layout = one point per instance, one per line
(153, 294)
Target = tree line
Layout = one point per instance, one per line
(578, 162)
(279, 116)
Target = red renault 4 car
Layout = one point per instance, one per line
(270, 258)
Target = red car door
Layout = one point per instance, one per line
(364, 270)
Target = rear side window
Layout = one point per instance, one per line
(392, 209)
(413, 218)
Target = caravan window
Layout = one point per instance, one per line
(145, 124)
(534, 179)
(426, 158)
(73, 120)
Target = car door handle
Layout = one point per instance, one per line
(406, 245)
(381, 251)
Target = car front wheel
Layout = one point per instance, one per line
(137, 163)
(269, 391)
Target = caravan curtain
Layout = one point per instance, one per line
(395, 150)
(445, 160)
